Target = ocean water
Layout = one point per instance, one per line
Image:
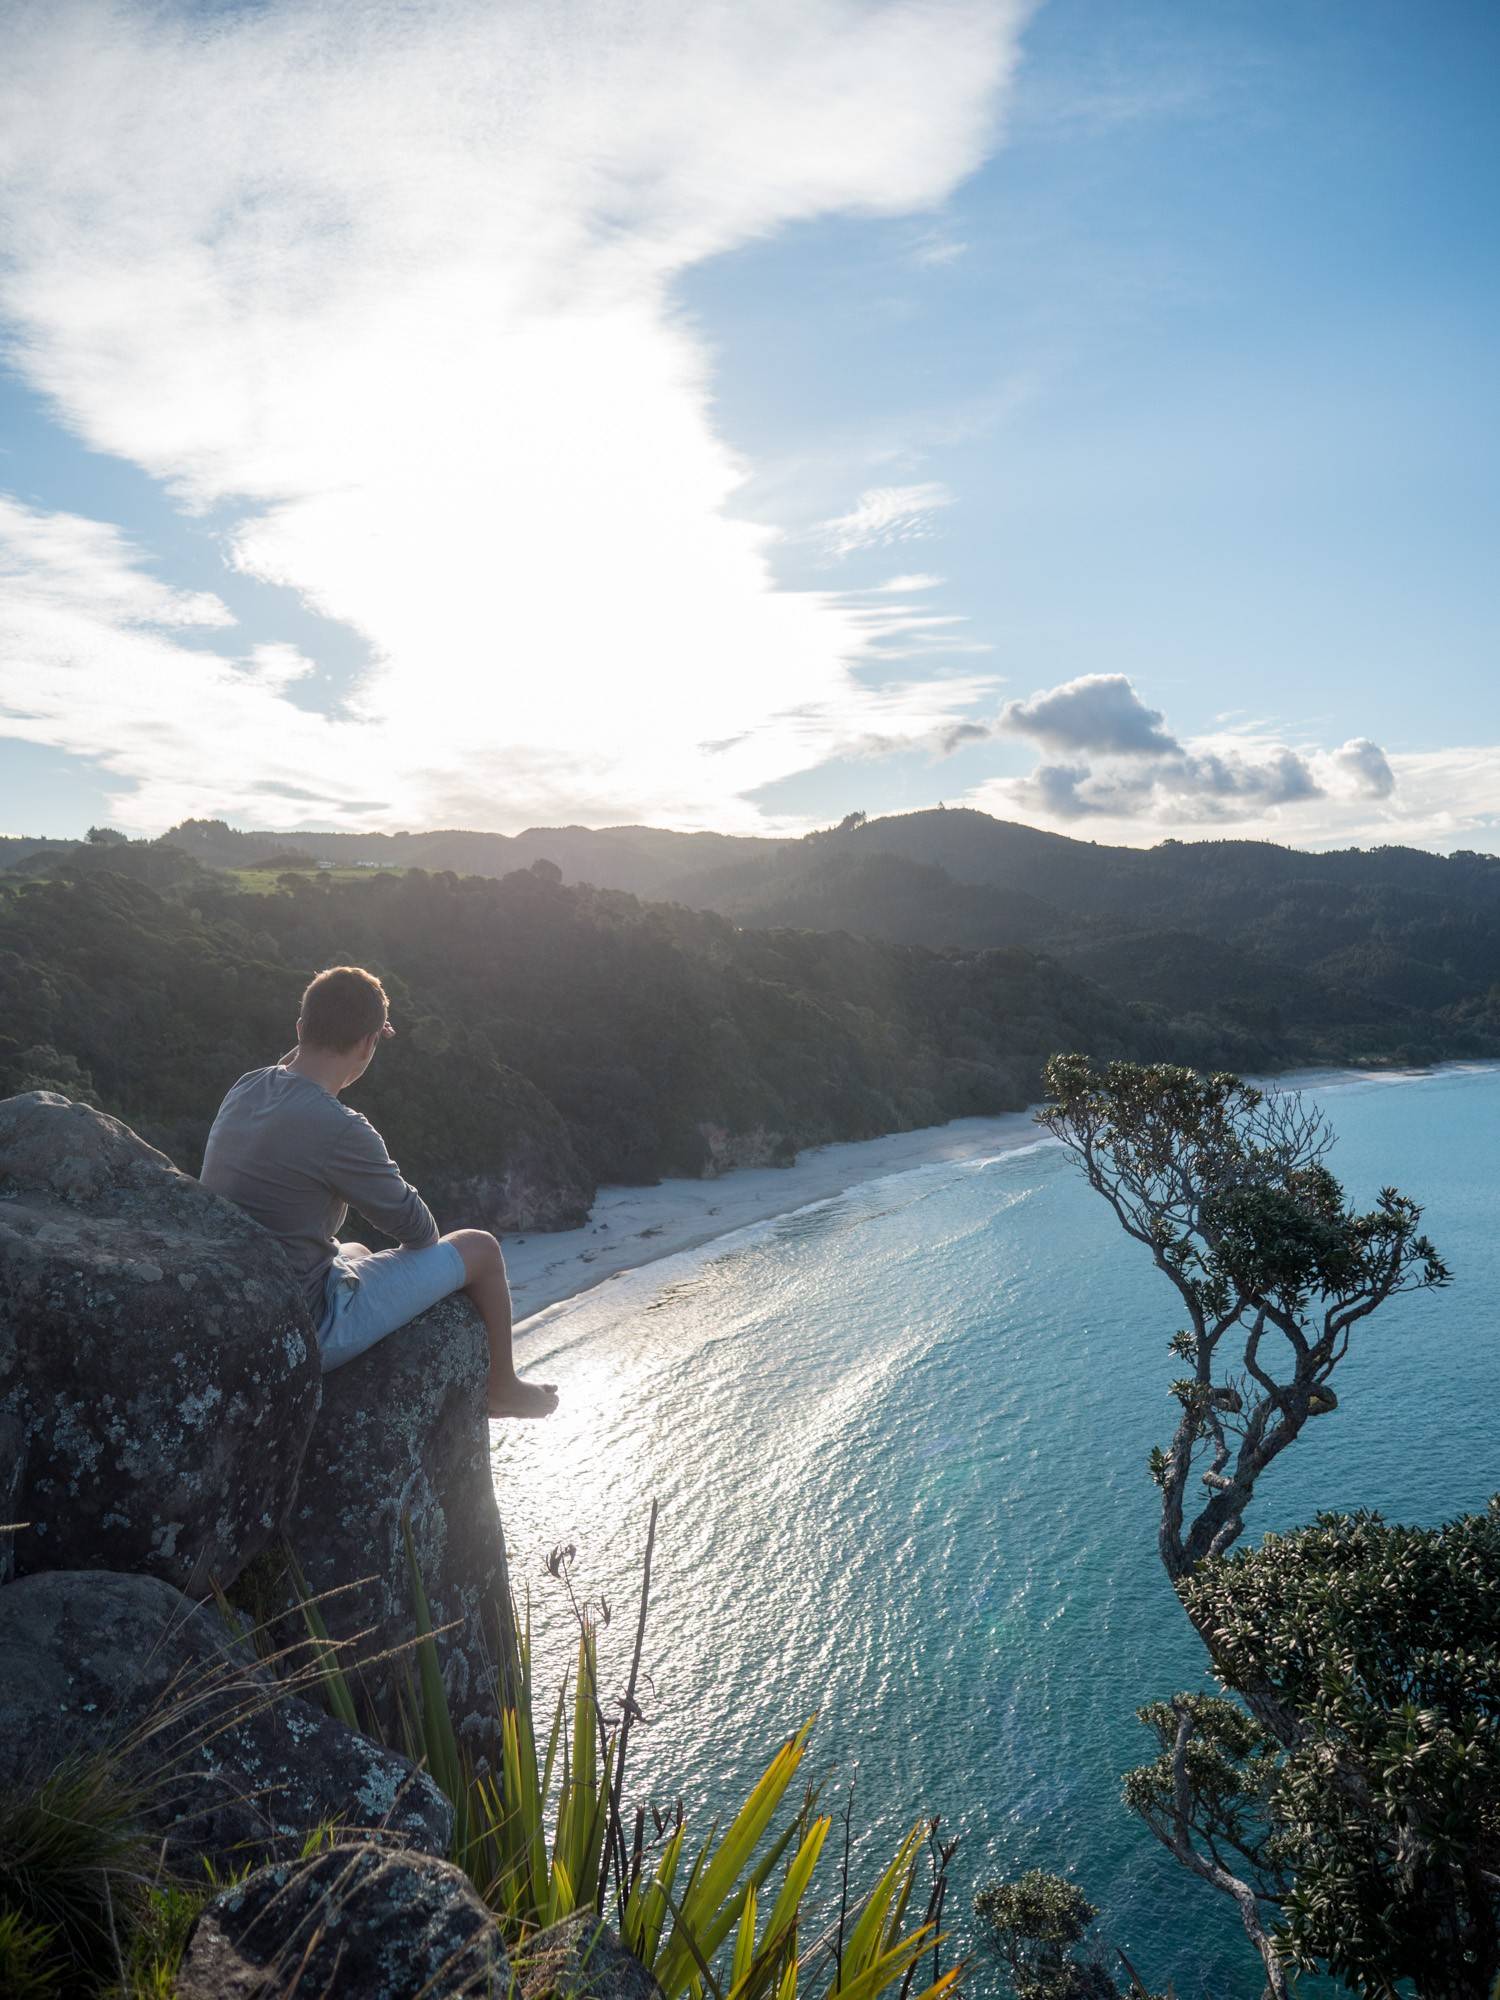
(899, 1442)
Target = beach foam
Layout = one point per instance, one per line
(632, 1226)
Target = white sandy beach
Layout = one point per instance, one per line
(630, 1226)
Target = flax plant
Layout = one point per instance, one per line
(542, 1837)
(85, 1905)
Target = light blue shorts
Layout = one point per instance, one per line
(369, 1293)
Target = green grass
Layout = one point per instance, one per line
(75, 1868)
(158, 1938)
(262, 881)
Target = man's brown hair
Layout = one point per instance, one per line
(341, 1006)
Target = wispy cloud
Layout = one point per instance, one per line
(884, 516)
(936, 250)
(93, 659)
(58, 560)
(391, 289)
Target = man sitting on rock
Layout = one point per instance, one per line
(294, 1158)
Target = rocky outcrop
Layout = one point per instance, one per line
(403, 1432)
(156, 1357)
(352, 1924)
(581, 1959)
(531, 1192)
(509, 1162)
(159, 1390)
(726, 1151)
(228, 1764)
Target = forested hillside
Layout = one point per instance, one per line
(1387, 939)
(1386, 954)
(556, 1034)
(548, 1037)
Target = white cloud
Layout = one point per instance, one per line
(1441, 799)
(91, 660)
(1093, 712)
(1361, 769)
(393, 286)
(58, 559)
(884, 516)
(902, 586)
(1187, 787)
(936, 250)
(1116, 764)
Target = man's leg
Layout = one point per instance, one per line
(487, 1286)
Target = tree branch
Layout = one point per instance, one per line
(1182, 1847)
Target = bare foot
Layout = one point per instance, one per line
(523, 1399)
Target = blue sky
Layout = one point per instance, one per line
(717, 420)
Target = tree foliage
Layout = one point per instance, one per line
(1245, 955)
(1370, 1820)
(1351, 1805)
(1037, 1924)
(1228, 1190)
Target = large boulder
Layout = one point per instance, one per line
(155, 1353)
(581, 1959)
(228, 1762)
(403, 1434)
(353, 1923)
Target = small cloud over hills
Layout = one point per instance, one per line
(1109, 756)
(1094, 712)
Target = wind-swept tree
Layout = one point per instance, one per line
(1229, 1192)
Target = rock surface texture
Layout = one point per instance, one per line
(352, 1924)
(229, 1764)
(155, 1355)
(582, 1959)
(12, 1465)
(403, 1431)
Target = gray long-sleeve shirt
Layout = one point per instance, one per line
(297, 1160)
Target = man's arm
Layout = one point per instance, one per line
(364, 1174)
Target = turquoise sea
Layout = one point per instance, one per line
(899, 1440)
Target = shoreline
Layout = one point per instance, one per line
(629, 1227)
(632, 1227)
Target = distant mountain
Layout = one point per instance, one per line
(875, 895)
(644, 860)
(1384, 954)
(760, 997)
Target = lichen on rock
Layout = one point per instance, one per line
(228, 1764)
(353, 1923)
(581, 1959)
(403, 1433)
(156, 1355)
